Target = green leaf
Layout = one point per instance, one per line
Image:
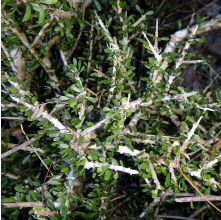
(191, 205)
(167, 182)
(116, 175)
(63, 98)
(185, 125)
(165, 38)
(62, 202)
(207, 193)
(14, 215)
(134, 129)
(48, 2)
(41, 14)
(97, 5)
(64, 212)
(201, 40)
(48, 195)
(122, 43)
(106, 109)
(39, 208)
(91, 99)
(144, 166)
(8, 200)
(71, 183)
(19, 189)
(3, 5)
(121, 163)
(189, 119)
(80, 139)
(26, 159)
(149, 13)
(89, 109)
(50, 203)
(33, 100)
(64, 145)
(122, 4)
(27, 13)
(179, 24)
(54, 182)
(139, 9)
(110, 138)
(121, 122)
(59, 105)
(107, 174)
(116, 102)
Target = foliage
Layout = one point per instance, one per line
(103, 127)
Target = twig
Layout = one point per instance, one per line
(8, 131)
(198, 211)
(157, 56)
(91, 50)
(10, 105)
(184, 52)
(14, 68)
(175, 217)
(160, 6)
(14, 118)
(163, 197)
(89, 165)
(33, 52)
(198, 198)
(152, 204)
(190, 134)
(191, 61)
(78, 38)
(133, 121)
(45, 115)
(119, 197)
(42, 31)
(33, 148)
(179, 169)
(101, 74)
(139, 21)
(18, 87)
(181, 35)
(120, 204)
(9, 175)
(156, 35)
(105, 30)
(22, 204)
(19, 147)
(42, 195)
(21, 37)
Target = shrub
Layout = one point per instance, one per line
(102, 126)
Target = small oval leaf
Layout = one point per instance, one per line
(41, 14)
(27, 13)
(48, 2)
(8, 200)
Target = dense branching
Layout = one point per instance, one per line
(98, 121)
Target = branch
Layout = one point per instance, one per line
(190, 134)
(105, 30)
(181, 35)
(89, 165)
(22, 204)
(17, 86)
(57, 124)
(42, 31)
(152, 204)
(198, 198)
(14, 68)
(19, 147)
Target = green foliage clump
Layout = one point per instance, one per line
(97, 102)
